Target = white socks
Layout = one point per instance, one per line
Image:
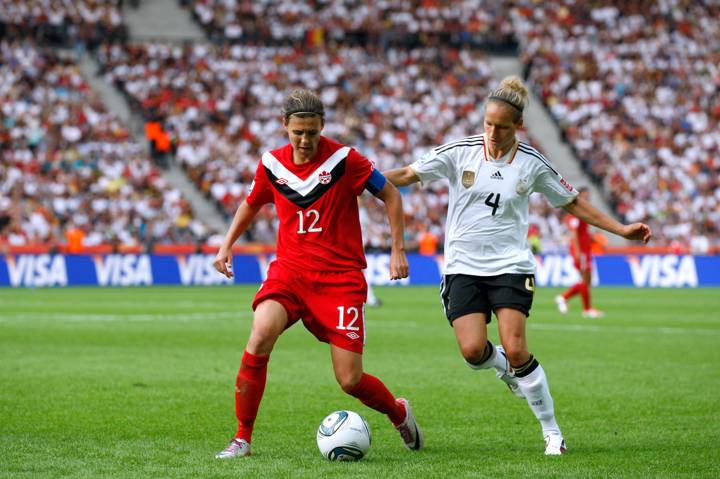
(535, 388)
(496, 360)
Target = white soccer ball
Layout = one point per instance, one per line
(343, 436)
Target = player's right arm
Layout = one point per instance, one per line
(243, 216)
(433, 165)
(402, 176)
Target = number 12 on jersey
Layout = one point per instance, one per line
(353, 314)
(312, 216)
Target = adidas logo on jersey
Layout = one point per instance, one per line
(496, 176)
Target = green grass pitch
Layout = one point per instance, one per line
(130, 383)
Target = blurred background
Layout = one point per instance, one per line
(136, 126)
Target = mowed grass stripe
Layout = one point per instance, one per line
(153, 398)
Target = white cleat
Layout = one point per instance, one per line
(592, 313)
(555, 445)
(561, 304)
(508, 377)
(409, 430)
(236, 448)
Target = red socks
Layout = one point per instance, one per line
(373, 393)
(581, 289)
(572, 291)
(585, 295)
(249, 388)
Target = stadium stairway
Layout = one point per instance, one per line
(115, 102)
(543, 130)
(162, 20)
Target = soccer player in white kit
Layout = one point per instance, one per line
(489, 266)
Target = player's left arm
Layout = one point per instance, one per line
(585, 211)
(378, 185)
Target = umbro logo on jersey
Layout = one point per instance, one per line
(496, 176)
(325, 177)
(281, 181)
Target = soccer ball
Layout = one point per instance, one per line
(343, 436)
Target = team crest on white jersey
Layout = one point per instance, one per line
(522, 186)
(468, 178)
(325, 177)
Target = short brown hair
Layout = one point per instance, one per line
(302, 103)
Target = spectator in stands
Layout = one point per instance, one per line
(632, 87)
(66, 160)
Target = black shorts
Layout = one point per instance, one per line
(464, 294)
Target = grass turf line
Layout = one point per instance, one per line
(137, 382)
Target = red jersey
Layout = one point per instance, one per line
(316, 204)
(582, 232)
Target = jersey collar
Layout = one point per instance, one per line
(506, 159)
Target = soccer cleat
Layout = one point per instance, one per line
(508, 377)
(592, 313)
(555, 445)
(236, 448)
(561, 304)
(409, 430)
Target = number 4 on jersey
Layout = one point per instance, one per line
(493, 204)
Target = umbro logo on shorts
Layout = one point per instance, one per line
(352, 335)
(496, 176)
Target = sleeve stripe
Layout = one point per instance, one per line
(450, 146)
(456, 142)
(533, 152)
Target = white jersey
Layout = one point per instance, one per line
(487, 220)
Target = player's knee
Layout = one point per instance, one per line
(516, 352)
(262, 338)
(472, 351)
(348, 381)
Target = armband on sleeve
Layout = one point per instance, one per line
(375, 182)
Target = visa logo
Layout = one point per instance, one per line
(664, 271)
(37, 270)
(559, 270)
(199, 269)
(123, 270)
(378, 271)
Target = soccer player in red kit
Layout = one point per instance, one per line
(580, 246)
(317, 276)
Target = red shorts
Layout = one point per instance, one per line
(331, 305)
(583, 262)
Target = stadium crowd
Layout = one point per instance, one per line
(221, 105)
(70, 169)
(383, 24)
(81, 24)
(635, 88)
